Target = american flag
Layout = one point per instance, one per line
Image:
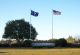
(55, 12)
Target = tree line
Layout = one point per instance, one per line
(17, 34)
(28, 43)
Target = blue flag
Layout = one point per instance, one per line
(34, 13)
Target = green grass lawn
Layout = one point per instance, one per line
(67, 51)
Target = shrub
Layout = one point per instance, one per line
(61, 42)
(27, 43)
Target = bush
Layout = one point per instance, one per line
(4, 45)
(27, 43)
(61, 42)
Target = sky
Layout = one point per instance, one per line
(68, 23)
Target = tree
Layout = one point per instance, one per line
(70, 39)
(19, 30)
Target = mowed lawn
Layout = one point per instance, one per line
(67, 51)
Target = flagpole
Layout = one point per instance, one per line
(30, 25)
(52, 24)
(33, 13)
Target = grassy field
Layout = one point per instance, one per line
(68, 51)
